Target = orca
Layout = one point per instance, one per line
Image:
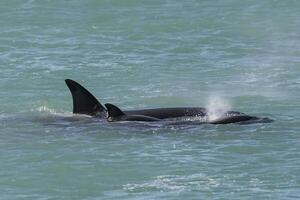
(116, 114)
(85, 103)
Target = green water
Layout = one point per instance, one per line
(244, 55)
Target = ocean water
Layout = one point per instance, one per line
(239, 55)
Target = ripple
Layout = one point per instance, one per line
(185, 183)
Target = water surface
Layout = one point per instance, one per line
(146, 54)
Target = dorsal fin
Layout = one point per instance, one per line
(113, 111)
(83, 101)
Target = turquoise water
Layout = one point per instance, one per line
(241, 55)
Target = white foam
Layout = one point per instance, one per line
(175, 183)
(45, 109)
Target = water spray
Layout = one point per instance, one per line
(217, 107)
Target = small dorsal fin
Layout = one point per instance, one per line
(83, 101)
(113, 111)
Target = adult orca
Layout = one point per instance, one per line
(85, 103)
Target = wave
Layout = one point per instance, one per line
(177, 183)
(46, 110)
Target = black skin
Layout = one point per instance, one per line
(141, 118)
(85, 103)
